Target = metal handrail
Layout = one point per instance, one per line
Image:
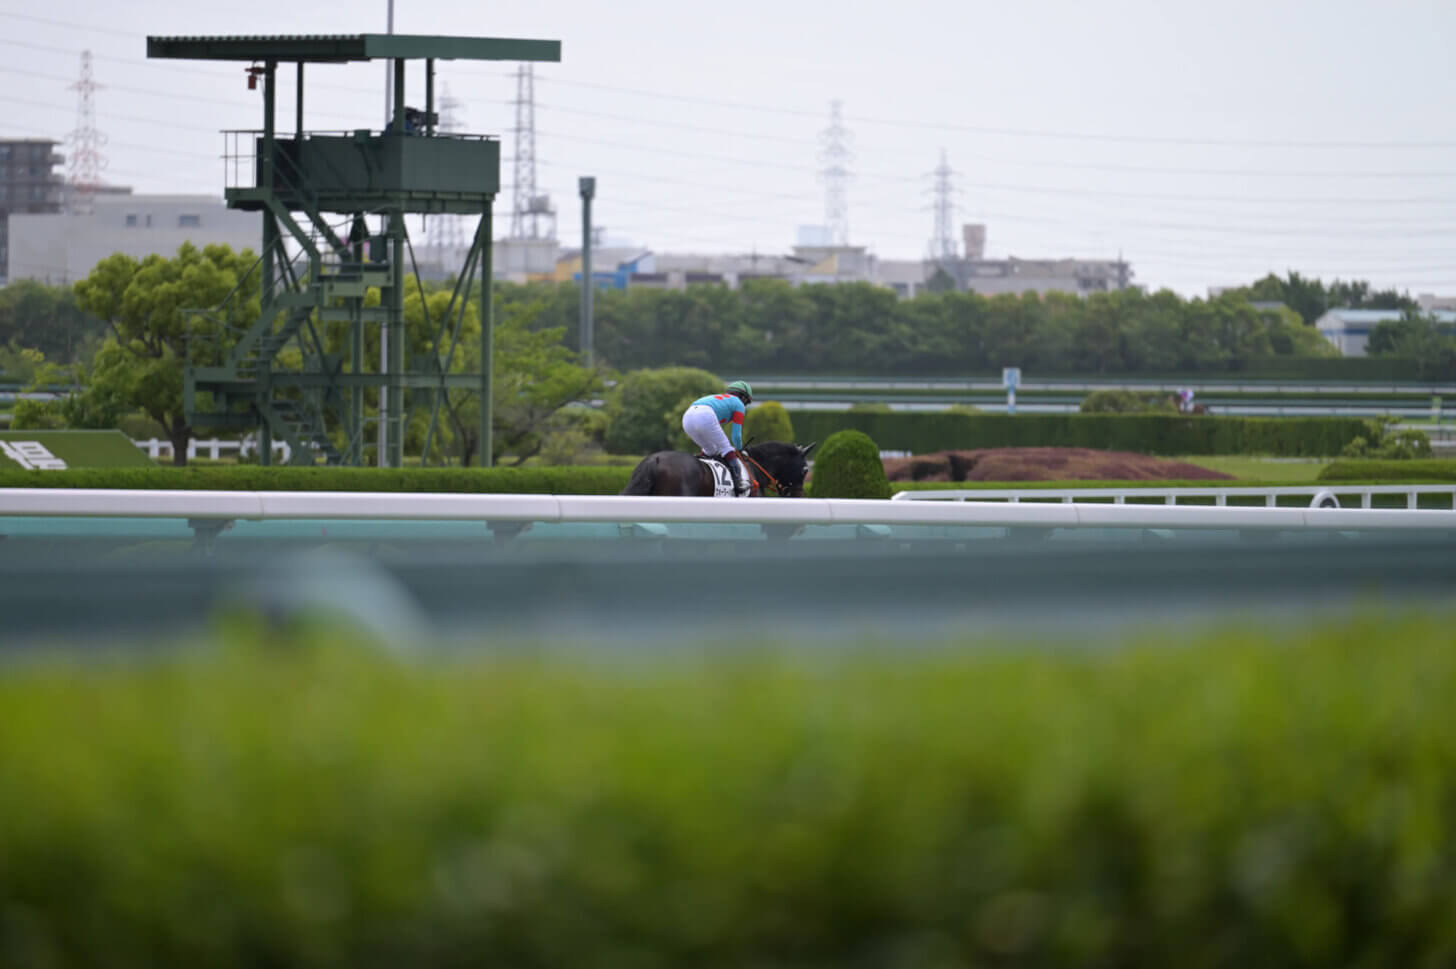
(234, 140)
(493, 508)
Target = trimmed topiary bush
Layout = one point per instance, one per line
(1384, 443)
(848, 466)
(1128, 402)
(768, 421)
(677, 438)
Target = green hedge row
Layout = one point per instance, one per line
(1142, 433)
(1247, 799)
(1427, 470)
(559, 480)
(1314, 369)
(1109, 485)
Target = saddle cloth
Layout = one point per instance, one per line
(722, 478)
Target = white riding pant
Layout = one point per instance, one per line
(701, 424)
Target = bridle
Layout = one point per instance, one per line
(783, 491)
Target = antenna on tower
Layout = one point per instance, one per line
(528, 207)
(86, 158)
(446, 233)
(835, 155)
(942, 247)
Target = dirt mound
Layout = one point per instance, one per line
(1043, 464)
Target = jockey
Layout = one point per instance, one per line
(704, 421)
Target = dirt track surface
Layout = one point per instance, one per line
(1043, 464)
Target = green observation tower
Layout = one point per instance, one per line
(302, 356)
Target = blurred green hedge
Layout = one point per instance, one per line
(1427, 470)
(572, 480)
(921, 433)
(1243, 799)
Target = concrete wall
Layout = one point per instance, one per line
(60, 248)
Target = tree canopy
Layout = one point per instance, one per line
(145, 306)
(47, 319)
(1310, 297)
(771, 326)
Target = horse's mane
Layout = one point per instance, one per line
(773, 449)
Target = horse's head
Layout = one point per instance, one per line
(785, 465)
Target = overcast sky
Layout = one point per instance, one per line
(1208, 143)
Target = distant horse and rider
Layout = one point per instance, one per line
(777, 468)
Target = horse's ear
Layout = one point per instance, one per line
(804, 451)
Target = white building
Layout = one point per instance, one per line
(907, 277)
(59, 248)
(973, 272)
(1349, 330)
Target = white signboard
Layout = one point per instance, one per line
(1010, 378)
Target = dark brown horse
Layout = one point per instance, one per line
(777, 467)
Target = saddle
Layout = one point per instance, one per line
(722, 475)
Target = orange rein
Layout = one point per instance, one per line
(771, 479)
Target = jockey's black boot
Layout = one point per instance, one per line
(741, 486)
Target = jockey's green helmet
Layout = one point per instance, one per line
(741, 388)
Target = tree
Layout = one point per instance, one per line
(1305, 296)
(1155, 331)
(1310, 297)
(1415, 337)
(1358, 295)
(638, 409)
(774, 324)
(1290, 337)
(1100, 342)
(534, 376)
(47, 319)
(940, 281)
(144, 306)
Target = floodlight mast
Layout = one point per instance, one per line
(313, 399)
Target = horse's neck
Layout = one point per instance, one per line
(766, 458)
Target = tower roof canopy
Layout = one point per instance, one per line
(341, 48)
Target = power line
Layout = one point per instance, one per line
(1023, 132)
(1392, 229)
(69, 24)
(1069, 166)
(1040, 133)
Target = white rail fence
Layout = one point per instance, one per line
(200, 507)
(1331, 495)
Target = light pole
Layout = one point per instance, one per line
(587, 185)
(383, 442)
